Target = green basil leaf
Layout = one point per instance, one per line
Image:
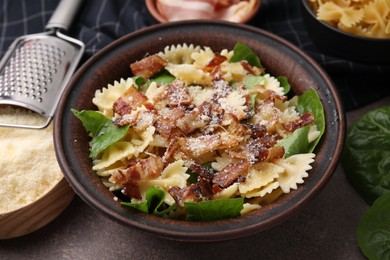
(153, 204)
(284, 84)
(104, 132)
(243, 52)
(252, 81)
(163, 77)
(138, 81)
(366, 155)
(310, 102)
(373, 234)
(213, 209)
(297, 142)
(144, 207)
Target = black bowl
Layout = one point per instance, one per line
(345, 45)
(112, 63)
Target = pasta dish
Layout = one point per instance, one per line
(202, 135)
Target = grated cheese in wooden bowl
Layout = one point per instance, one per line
(28, 165)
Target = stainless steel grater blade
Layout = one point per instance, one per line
(37, 67)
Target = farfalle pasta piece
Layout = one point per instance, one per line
(223, 161)
(189, 74)
(202, 57)
(228, 54)
(199, 95)
(267, 198)
(235, 103)
(233, 71)
(348, 16)
(269, 116)
(105, 98)
(377, 16)
(179, 54)
(125, 149)
(295, 169)
(173, 175)
(248, 207)
(262, 191)
(228, 192)
(259, 176)
(271, 83)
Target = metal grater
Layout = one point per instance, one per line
(36, 68)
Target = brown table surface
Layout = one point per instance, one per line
(325, 229)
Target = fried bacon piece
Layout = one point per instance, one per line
(195, 119)
(252, 69)
(139, 120)
(205, 186)
(190, 193)
(132, 99)
(276, 152)
(197, 146)
(131, 189)
(122, 107)
(170, 151)
(148, 66)
(149, 168)
(253, 151)
(205, 177)
(166, 125)
(257, 130)
(304, 120)
(231, 173)
(152, 167)
(177, 94)
(202, 171)
(236, 128)
(128, 180)
(213, 66)
(270, 96)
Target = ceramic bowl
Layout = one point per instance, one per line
(112, 63)
(345, 45)
(160, 17)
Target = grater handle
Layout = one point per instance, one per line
(64, 14)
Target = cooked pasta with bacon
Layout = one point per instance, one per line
(201, 126)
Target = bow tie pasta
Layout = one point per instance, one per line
(368, 18)
(199, 129)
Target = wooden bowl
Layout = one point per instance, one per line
(35, 215)
(158, 16)
(112, 63)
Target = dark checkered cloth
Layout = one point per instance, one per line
(102, 21)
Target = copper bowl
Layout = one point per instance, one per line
(112, 63)
(160, 17)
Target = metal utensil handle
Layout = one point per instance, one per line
(64, 14)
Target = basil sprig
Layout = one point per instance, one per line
(104, 132)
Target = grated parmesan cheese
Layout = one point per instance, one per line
(28, 165)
